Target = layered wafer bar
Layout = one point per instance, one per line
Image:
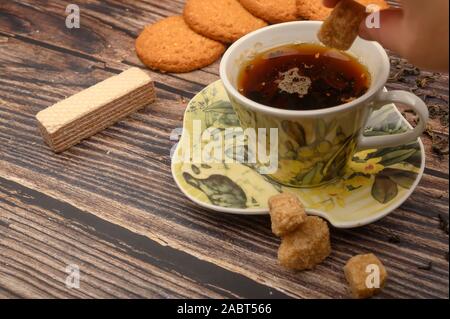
(88, 112)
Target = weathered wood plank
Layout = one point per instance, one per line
(113, 175)
(107, 32)
(258, 239)
(247, 247)
(431, 87)
(123, 174)
(111, 27)
(37, 246)
(7, 294)
(22, 60)
(40, 237)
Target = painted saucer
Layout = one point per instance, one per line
(377, 181)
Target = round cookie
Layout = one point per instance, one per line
(272, 11)
(221, 20)
(315, 10)
(312, 10)
(171, 46)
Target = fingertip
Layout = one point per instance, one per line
(364, 32)
(387, 32)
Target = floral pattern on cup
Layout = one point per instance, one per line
(311, 152)
(371, 180)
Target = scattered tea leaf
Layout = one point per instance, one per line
(439, 111)
(440, 147)
(439, 142)
(394, 239)
(443, 223)
(422, 82)
(419, 83)
(427, 266)
(411, 71)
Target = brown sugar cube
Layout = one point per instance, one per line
(341, 28)
(307, 246)
(90, 111)
(286, 213)
(361, 272)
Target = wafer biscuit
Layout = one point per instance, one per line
(341, 28)
(84, 114)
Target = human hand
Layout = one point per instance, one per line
(418, 31)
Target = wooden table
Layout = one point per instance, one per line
(110, 206)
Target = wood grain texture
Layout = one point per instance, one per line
(37, 246)
(122, 177)
(42, 236)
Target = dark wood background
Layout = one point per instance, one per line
(110, 205)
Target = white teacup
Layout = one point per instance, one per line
(315, 145)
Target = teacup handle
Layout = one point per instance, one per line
(402, 97)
